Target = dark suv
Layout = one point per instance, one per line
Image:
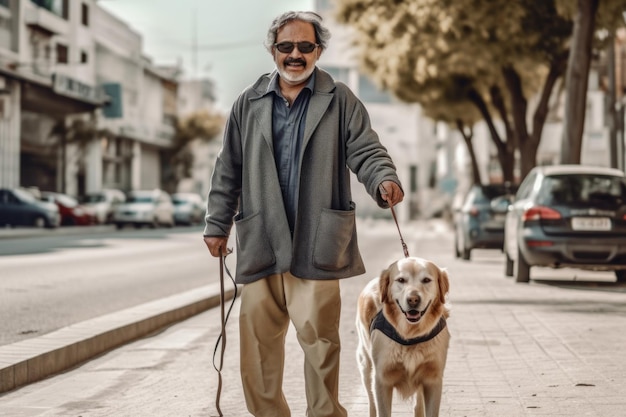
(568, 216)
(479, 221)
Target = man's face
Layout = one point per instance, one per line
(296, 66)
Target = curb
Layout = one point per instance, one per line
(27, 232)
(32, 360)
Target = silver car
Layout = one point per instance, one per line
(145, 208)
(103, 203)
(567, 216)
(189, 208)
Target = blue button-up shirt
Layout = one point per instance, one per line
(288, 132)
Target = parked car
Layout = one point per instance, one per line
(189, 208)
(567, 216)
(19, 207)
(103, 203)
(145, 208)
(72, 212)
(479, 221)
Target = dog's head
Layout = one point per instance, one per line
(413, 292)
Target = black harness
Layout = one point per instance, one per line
(382, 324)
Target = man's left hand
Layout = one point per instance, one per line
(392, 193)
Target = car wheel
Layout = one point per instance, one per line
(508, 265)
(119, 226)
(463, 251)
(621, 275)
(522, 269)
(39, 222)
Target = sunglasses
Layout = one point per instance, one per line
(304, 47)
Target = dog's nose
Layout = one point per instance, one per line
(413, 299)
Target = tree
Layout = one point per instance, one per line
(497, 52)
(203, 126)
(447, 103)
(78, 131)
(591, 17)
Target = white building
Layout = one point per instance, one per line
(411, 139)
(139, 119)
(198, 95)
(62, 61)
(46, 75)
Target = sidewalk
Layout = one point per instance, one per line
(516, 350)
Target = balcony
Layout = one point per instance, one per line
(45, 21)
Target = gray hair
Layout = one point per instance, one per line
(322, 34)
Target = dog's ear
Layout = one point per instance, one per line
(383, 282)
(444, 285)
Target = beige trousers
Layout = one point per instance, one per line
(314, 307)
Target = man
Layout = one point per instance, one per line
(283, 177)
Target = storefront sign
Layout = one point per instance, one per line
(67, 86)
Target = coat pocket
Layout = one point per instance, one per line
(333, 247)
(254, 252)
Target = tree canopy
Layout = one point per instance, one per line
(201, 126)
(470, 60)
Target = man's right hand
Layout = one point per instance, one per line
(217, 245)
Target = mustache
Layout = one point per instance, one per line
(295, 61)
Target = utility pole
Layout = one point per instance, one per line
(194, 43)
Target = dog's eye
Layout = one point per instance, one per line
(400, 280)
(426, 280)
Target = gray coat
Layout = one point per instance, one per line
(245, 188)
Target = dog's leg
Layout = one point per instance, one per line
(432, 398)
(418, 410)
(384, 397)
(366, 369)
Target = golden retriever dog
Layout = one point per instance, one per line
(403, 337)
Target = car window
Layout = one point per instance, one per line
(526, 186)
(24, 195)
(139, 199)
(93, 198)
(597, 190)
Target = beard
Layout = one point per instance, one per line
(295, 78)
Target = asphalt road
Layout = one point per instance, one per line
(54, 280)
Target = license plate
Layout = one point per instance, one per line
(591, 223)
(499, 217)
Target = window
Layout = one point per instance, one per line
(339, 73)
(413, 174)
(58, 7)
(62, 57)
(84, 14)
(368, 92)
(84, 58)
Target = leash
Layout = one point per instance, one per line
(395, 219)
(221, 340)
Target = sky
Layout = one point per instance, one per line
(221, 40)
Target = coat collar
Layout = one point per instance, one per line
(261, 104)
(381, 323)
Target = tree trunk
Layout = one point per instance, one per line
(506, 156)
(467, 138)
(505, 159)
(576, 81)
